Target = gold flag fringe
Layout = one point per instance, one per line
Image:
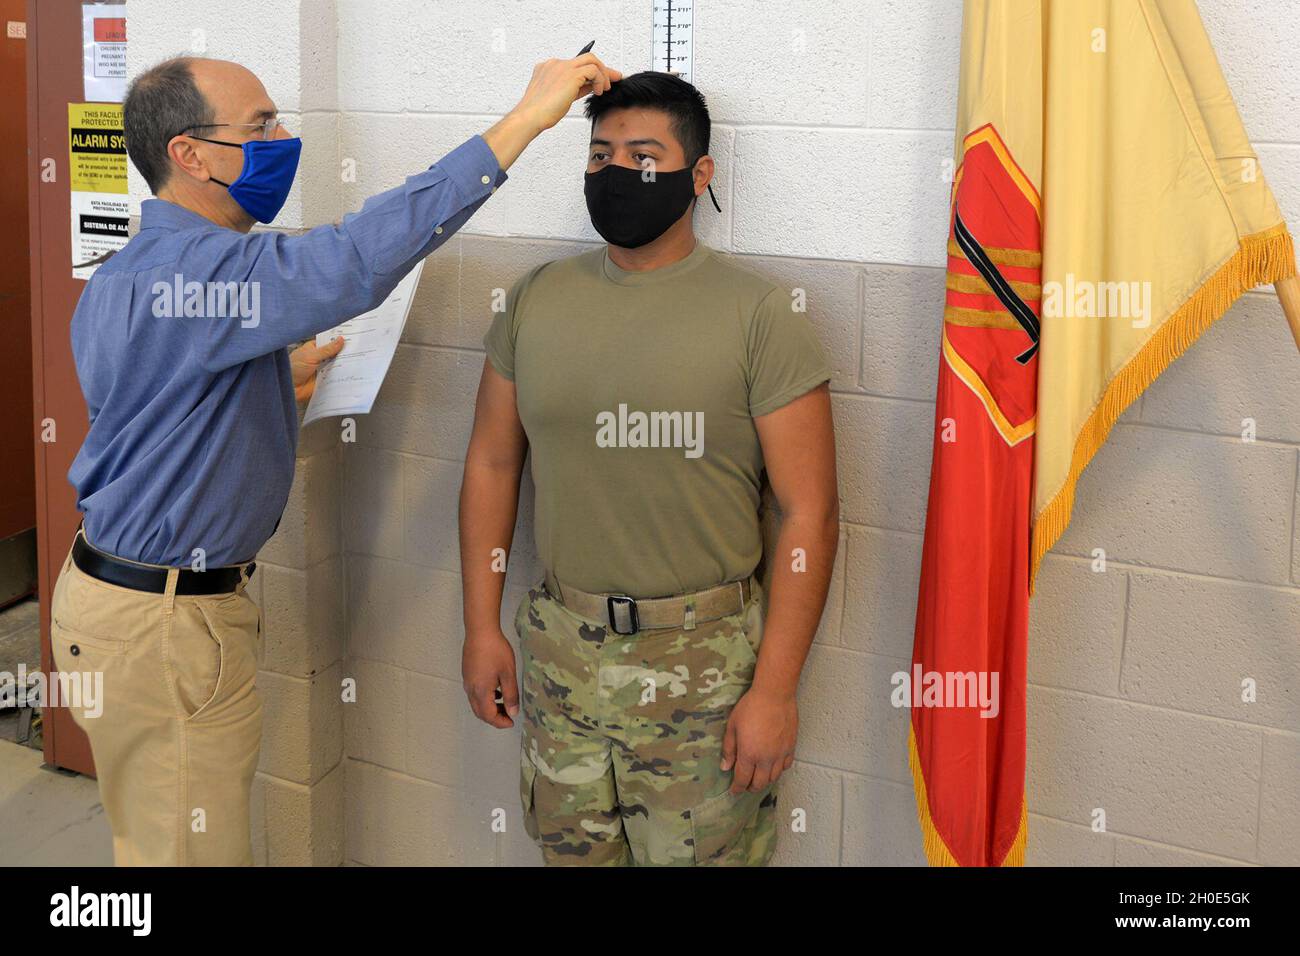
(936, 850)
(1264, 257)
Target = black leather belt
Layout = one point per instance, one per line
(137, 577)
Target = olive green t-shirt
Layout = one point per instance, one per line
(638, 391)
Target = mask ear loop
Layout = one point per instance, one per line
(222, 142)
(714, 198)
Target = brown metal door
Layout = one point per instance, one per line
(18, 477)
(54, 79)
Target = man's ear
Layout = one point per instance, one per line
(703, 174)
(182, 152)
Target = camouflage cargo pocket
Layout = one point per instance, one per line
(749, 622)
(527, 780)
(720, 827)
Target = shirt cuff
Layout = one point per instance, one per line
(473, 170)
(788, 395)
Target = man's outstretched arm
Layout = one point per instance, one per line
(305, 284)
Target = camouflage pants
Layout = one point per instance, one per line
(622, 740)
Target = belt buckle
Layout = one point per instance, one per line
(622, 602)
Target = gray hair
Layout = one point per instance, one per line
(162, 101)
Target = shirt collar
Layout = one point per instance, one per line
(673, 270)
(160, 214)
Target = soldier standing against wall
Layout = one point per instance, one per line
(654, 381)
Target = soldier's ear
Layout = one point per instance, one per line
(703, 173)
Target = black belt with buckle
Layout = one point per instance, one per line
(125, 574)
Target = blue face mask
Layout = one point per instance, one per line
(264, 183)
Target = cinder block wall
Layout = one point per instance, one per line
(832, 125)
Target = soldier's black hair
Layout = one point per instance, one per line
(670, 94)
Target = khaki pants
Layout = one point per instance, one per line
(176, 730)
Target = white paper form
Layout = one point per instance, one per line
(348, 384)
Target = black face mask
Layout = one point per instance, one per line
(629, 211)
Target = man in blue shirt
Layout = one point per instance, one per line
(181, 343)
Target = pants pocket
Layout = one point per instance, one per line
(752, 619)
(81, 663)
(197, 661)
(72, 645)
(527, 783)
(744, 631)
(720, 827)
(213, 652)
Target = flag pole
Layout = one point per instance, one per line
(1288, 293)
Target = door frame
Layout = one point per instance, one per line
(54, 79)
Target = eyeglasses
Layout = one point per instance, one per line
(269, 127)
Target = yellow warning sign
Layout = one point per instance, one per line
(96, 148)
(97, 171)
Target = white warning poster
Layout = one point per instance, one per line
(103, 41)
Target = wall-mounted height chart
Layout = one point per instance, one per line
(671, 37)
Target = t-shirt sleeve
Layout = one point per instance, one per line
(785, 358)
(501, 334)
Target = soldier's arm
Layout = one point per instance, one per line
(798, 442)
(489, 498)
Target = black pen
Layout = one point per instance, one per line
(587, 48)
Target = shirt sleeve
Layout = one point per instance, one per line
(499, 341)
(785, 358)
(305, 284)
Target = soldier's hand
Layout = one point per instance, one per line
(760, 738)
(488, 666)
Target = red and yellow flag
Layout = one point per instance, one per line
(1107, 207)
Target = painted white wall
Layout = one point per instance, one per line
(832, 124)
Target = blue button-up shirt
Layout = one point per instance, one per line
(193, 422)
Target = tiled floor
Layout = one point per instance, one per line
(20, 636)
(49, 817)
(20, 644)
